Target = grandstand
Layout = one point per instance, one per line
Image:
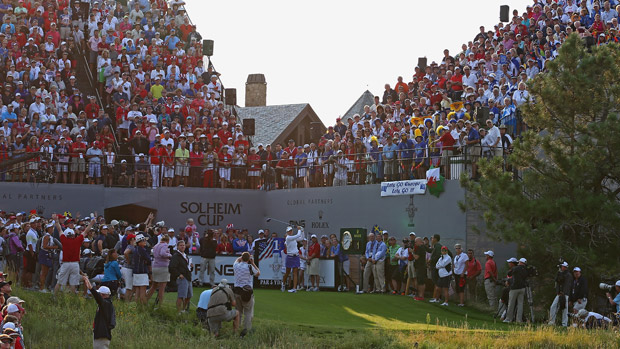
(88, 89)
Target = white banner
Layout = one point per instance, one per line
(408, 187)
(272, 271)
(223, 268)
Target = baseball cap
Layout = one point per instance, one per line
(576, 269)
(618, 283)
(86, 251)
(564, 264)
(69, 232)
(412, 233)
(261, 231)
(313, 236)
(289, 228)
(104, 290)
(12, 308)
(140, 238)
(523, 260)
(489, 253)
(512, 260)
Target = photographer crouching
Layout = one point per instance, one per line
(245, 270)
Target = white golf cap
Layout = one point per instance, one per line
(564, 264)
(104, 290)
(312, 236)
(289, 228)
(576, 269)
(171, 230)
(69, 231)
(618, 283)
(412, 233)
(385, 232)
(490, 253)
(523, 260)
(87, 251)
(512, 260)
(261, 231)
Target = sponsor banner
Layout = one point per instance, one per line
(223, 268)
(408, 187)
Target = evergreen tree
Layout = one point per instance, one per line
(564, 202)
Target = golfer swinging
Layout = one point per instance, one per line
(292, 255)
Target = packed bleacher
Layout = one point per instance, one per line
(152, 114)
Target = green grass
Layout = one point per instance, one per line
(302, 320)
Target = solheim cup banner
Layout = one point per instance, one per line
(408, 187)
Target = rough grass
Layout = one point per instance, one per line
(313, 320)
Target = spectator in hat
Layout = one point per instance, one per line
(141, 260)
(220, 308)
(490, 278)
(563, 286)
(578, 298)
(105, 317)
(517, 289)
(69, 272)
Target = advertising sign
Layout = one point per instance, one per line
(353, 240)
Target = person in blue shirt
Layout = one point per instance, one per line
(421, 156)
(9, 115)
(378, 263)
(240, 244)
(111, 271)
(405, 156)
(368, 255)
(203, 305)
(389, 156)
(616, 300)
(473, 146)
(342, 261)
(172, 40)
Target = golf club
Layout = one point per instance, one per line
(269, 219)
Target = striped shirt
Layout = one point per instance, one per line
(243, 277)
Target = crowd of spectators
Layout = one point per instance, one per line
(155, 115)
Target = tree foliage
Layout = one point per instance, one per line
(565, 199)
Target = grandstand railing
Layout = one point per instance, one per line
(359, 168)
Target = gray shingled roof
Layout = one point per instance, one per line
(367, 98)
(271, 120)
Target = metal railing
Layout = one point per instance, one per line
(207, 170)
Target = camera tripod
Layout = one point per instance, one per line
(530, 300)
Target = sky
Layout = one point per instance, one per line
(327, 53)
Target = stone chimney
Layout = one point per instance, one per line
(256, 91)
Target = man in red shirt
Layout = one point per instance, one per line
(69, 272)
(92, 109)
(287, 167)
(447, 149)
(291, 150)
(156, 156)
(457, 82)
(490, 278)
(472, 269)
(314, 252)
(78, 163)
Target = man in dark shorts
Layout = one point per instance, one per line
(419, 256)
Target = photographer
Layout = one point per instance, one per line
(563, 286)
(519, 275)
(245, 270)
(219, 308)
(616, 300)
(579, 292)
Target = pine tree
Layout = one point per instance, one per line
(564, 202)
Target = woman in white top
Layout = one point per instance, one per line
(444, 266)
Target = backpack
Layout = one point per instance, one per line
(94, 266)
